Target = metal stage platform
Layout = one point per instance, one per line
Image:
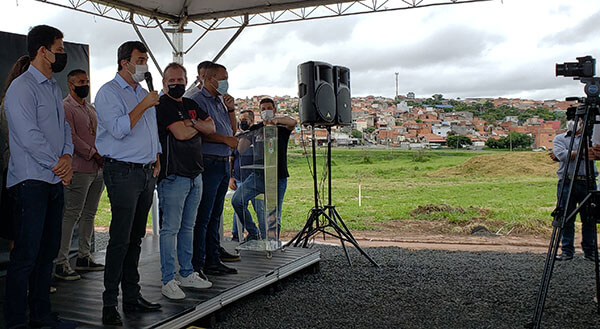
(81, 300)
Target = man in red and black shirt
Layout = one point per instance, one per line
(181, 124)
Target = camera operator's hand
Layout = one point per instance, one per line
(573, 155)
(594, 152)
(150, 100)
(552, 156)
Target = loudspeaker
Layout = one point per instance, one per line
(343, 100)
(317, 96)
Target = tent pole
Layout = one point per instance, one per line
(237, 33)
(137, 30)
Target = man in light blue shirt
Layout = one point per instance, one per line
(560, 153)
(39, 166)
(127, 137)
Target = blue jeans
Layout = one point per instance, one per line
(251, 187)
(587, 229)
(247, 222)
(179, 198)
(38, 210)
(215, 180)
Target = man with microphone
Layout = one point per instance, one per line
(127, 138)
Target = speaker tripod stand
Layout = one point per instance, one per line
(323, 217)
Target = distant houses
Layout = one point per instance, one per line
(401, 123)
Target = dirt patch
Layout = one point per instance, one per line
(432, 208)
(503, 164)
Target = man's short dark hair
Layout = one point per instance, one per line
(173, 66)
(213, 68)
(204, 65)
(126, 49)
(250, 112)
(75, 72)
(267, 100)
(41, 36)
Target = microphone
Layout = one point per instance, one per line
(148, 78)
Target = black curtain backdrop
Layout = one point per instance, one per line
(12, 47)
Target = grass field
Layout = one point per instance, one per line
(396, 182)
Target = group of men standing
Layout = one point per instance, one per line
(132, 142)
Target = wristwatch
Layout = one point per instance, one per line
(194, 121)
(231, 111)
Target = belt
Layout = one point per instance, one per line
(216, 157)
(131, 164)
(581, 177)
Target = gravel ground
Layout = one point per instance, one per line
(421, 289)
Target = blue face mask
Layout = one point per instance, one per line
(223, 86)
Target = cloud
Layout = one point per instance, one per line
(579, 33)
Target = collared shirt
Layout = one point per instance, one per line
(115, 139)
(218, 112)
(38, 131)
(560, 148)
(191, 92)
(82, 119)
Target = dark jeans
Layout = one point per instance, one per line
(587, 228)
(38, 210)
(130, 191)
(215, 179)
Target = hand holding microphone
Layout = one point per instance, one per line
(152, 98)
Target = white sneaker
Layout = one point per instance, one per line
(171, 290)
(193, 281)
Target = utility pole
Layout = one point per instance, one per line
(396, 86)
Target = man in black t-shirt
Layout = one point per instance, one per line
(254, 184)
(181, 122)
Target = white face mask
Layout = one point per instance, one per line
(140, 73)
(267, 115)
(570, 125)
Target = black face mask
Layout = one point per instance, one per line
(176, 91)
(244, 125)
(60, 61)
(82, 91)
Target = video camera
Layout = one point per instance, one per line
(585, 67)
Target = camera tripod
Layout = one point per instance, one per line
(323, 217)
(587, 114)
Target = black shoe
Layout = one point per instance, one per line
(64, 272)
(235, 238)
(227, 257)
(110, 316)
(564, 257)
(140, 305)
(589, 257)
(251, 237)
(219, 269)
(88, 264)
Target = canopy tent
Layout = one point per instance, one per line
(212, 15)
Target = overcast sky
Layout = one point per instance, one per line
(491, 49)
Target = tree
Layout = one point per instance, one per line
(514, 139)
(458, 141)
(356, 133)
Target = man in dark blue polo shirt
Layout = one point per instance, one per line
(216, 149)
